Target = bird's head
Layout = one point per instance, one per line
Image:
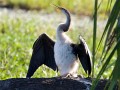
(66, 25)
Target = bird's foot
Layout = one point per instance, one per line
(68, 76)
(64, 76)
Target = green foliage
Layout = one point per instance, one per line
(76, 6)
(110, 47)
(17, 35)
(115, 76)
(94, 35)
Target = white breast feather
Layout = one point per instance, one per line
(66, 61)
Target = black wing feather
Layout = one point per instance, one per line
(84, 56)
(43, 53)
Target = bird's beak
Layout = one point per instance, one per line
(58, 7)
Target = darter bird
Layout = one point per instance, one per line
(62, 55)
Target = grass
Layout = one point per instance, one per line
(109, 48)
(17, 35)
(75, 6)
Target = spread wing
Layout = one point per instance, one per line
(43, 53)
(84, 55)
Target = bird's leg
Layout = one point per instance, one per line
(68, 75)
(63, 76)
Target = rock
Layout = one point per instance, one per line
(49, 84)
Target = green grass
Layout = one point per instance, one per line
(17, 35)
(109, 49)
(83, 7)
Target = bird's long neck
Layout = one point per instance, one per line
(68, 19)
(62, 37)
(62, 28)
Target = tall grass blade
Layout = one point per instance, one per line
(115, 76)
(105, 65)
(94, 35)
(109, 5)
(110, 23)
(100, 4)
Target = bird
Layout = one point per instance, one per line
(61, 55)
